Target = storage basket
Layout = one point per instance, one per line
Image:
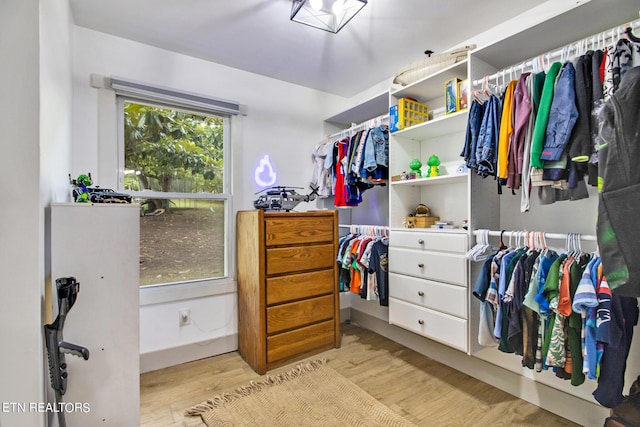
(421, 221)
(407, 113)
(427, 66)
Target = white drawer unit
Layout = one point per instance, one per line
(449, 330)
(428, 285)
(427, 293)
(438, 241)
(440, 266)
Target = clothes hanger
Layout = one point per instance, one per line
(629, 33)
(502, 245)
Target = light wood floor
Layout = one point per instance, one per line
(422, 390)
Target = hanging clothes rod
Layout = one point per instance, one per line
(365, 229)
(556, 236)
(601, 40)
(367, 124)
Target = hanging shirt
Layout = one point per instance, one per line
(542, 117)
(321, 175)
(506, 130)
(339, 189)
(522, 115)
(379, 264)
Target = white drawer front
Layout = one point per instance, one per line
(440, 327)
(444, 267)
(429, 241)
(443, 297)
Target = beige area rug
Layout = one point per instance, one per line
(311, 394)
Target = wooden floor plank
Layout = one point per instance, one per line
(420, 389)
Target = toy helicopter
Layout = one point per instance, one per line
(282, 198)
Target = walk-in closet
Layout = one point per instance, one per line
(320, 212)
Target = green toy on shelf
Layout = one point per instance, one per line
(81, 191)
(415, 166)
(433, 163)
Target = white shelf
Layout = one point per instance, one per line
(369, 109)
(432, 86)
(440, 126)
(575, 24)
(436, 180)
(430, 230)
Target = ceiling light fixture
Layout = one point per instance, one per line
(328, 15)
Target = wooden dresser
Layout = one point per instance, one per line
(288, 299)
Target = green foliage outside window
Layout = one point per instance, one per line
(172, 151)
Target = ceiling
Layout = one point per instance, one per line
(257, 35)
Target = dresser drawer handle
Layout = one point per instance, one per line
(421, 265)
(421, 242)
(421, 322)
(420, 293)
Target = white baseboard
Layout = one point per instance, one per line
(164, 358)
(558, 402)
(187, 353)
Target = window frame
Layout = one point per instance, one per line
(173, 291)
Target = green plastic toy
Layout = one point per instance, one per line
(433, 163)
(415, 166)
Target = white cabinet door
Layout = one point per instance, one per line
(445, 267)
(443, 297)
(99, 246)
(447, 242)
(440, 327)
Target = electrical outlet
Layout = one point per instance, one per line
(184, 317)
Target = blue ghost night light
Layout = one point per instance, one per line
(264, 174)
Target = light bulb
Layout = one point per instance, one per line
(338, 7)
(315, 4)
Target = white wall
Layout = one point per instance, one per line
(55, 133)
(21, 219)
(283, 120)
(55, 100)
(35, 115)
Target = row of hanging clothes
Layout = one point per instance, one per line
(363, 262)
(554, 308)
(352, 161)
(539, 131)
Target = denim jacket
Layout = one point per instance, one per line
(488, 139)
(376, 149)
(562, 116)
(476, 112)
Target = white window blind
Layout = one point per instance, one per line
(159, 94)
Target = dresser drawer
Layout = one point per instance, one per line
(298, 286)
(292, 230)
(300, 258)
(451, 299)
(295, 314)
(447, 242)
(440, 327)
(298, 341)
(445, 267)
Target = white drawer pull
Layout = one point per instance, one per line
(421, 322)
(420, 293)
(421, 242)
(421, 265)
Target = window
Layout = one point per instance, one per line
(172, 161)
